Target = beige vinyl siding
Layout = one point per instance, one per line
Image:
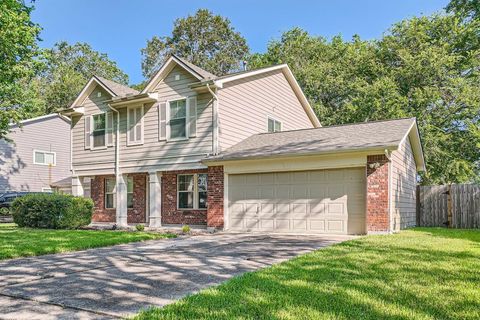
(404, 181)
(17, 169)
(152, 154)
(245, 105)
(99, 159)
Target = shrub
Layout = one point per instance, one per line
(52, 210)
(186, 229)
(140, 227)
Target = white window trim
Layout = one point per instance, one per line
(47, 190)
(45, 164)
(187, 114)
(113, 193)
(141, 141)
(275, 120)
(195, 191)
(92, 124)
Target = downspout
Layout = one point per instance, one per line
(388, 154)
(215, 119)
(117, 142)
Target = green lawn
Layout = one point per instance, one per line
(21, 242)
(417, 274)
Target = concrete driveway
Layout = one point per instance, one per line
(117, 281)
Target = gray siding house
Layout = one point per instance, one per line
(243, 151)
(35, 154)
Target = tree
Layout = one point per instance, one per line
(66, 70)
(207, 40)
(18, 49)
(467, 9)
(425, 67)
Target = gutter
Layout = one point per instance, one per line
(117, 142)
(379, 149)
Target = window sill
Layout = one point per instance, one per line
(191, 209)
(45, 165)
(133, 144)
(177, 139)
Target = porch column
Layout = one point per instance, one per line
(155, 199)
(121, 212)
(77, 187)
(378, 201)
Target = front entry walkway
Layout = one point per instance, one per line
(118, 281)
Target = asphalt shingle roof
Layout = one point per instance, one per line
(350, 137)
(203, 73)
(119, 89)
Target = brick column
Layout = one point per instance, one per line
(378, 218)
(215, 189)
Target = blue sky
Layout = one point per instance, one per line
(121, 28)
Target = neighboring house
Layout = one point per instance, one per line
(35, 154)
(239, 152)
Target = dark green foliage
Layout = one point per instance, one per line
(18, 49)
(426, 67)
(206, 40)
(140, 227)
(52, 211)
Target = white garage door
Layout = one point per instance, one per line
(322, 201)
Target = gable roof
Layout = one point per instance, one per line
(173, 60)
(113, 88)
(220, 81)
(381, 135)
(117, 88)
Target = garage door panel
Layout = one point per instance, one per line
(300, 224)
(336, 226)
(317, 225)
(282, 224)
(322, 201)
(336, 208)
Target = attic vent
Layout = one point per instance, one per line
(177, 77)
(99, 94)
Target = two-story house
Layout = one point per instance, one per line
(244, 151)
(35, 154)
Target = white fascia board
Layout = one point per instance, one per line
(167, 66)
(88, 89)
(416, 143)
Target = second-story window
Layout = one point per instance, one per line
(178, 119)
(99, 128)
(44, 158)
(274, 125)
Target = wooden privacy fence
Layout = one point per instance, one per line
(456, 205)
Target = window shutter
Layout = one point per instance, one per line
(139, 124)
(88, 132)
(192, 115)
(130, 125)
(109, 128)
(162, 121)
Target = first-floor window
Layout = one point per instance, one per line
(111, 193)
(192, 191)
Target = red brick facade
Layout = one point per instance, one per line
(215, 197)
(378, 218)
(137, 214)
(170, 213)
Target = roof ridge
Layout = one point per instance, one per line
(337, 125)
(103, 80)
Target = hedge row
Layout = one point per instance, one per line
(52, 211)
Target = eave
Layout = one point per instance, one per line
(132, 99)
